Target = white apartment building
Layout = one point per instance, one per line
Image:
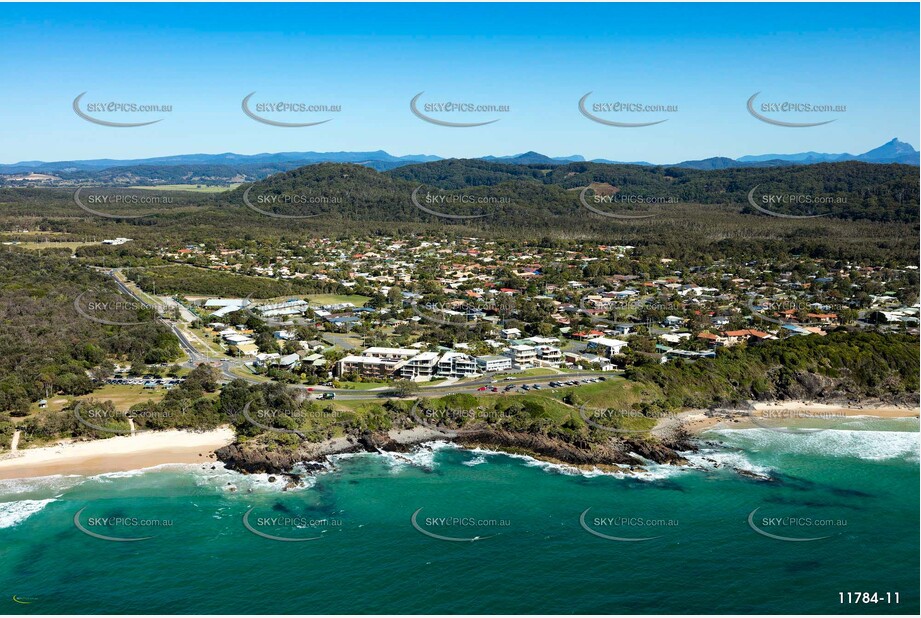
(510, 333)
(456, 365)
(419, 368)
(523, 355)
(375, 362)
(493, 363)
(367, 366)
(606, 346)
(549, 355)
(394, 354)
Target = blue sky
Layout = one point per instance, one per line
(538, 59)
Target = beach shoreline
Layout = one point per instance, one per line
(117, 454)
(698, 421)
(149, 449)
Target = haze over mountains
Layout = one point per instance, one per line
(231, 167)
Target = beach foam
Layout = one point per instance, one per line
(13, 513)
(870, 445)
(714, 459)
(226, 480)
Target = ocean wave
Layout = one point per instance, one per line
(422, 456)
(649, 471)
(226, 480)
(707, 459)
(39, 486)
(13, 513)
(868, 445)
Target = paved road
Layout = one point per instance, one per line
(472, 387)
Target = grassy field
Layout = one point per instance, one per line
(363, 386)
(32, 246)
(123, 396)
(536, 371)
(191, 188)
(242, 372)
(335, 299)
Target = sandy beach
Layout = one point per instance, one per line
(832, 409)
(118, 454)
(696, 421)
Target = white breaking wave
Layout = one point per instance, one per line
(13, 513)
(869, 445)
(423, 456)
(223, 479)
(715, 459)
(649, 471)
(38, 487)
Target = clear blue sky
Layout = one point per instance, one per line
(539, 59)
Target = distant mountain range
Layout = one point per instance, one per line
(892, 151)
(231, 167)
(227, 158)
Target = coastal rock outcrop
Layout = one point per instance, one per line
(253, 457)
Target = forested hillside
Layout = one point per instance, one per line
(840, 366)
(47, 346)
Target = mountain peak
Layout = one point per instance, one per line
(893, 151)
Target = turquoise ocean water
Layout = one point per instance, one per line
(854, 488)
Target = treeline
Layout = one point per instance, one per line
(857, 190)
(842, 365)
(47, 347)
(193, 280)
